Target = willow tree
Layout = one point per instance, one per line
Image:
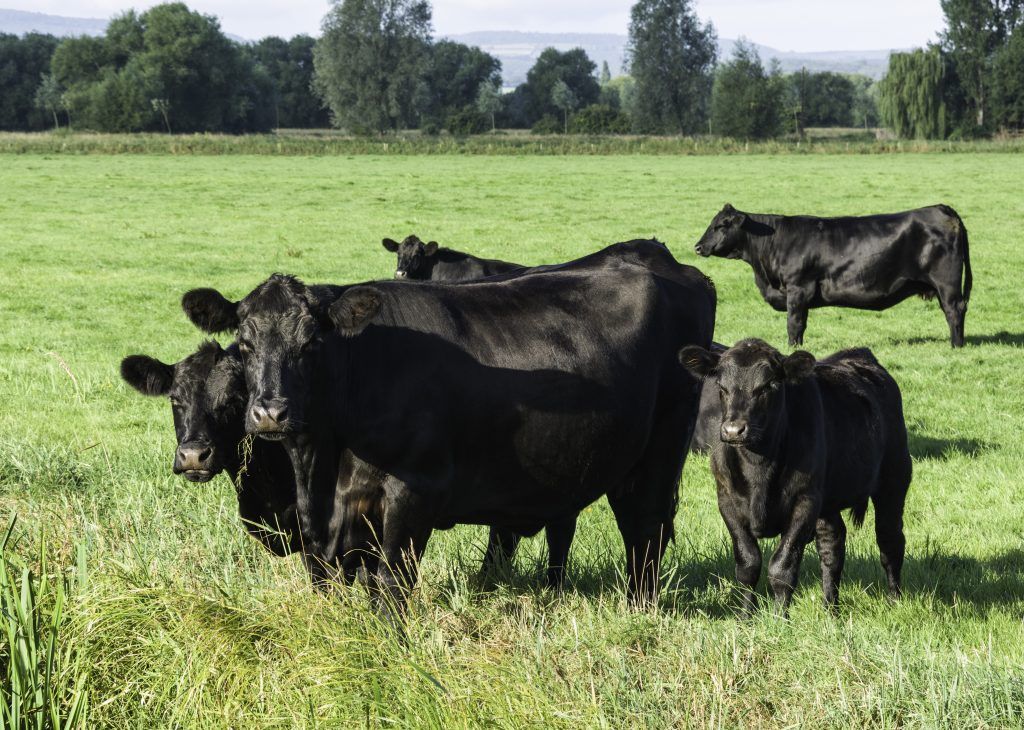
(910, 97)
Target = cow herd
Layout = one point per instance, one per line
(355, 420)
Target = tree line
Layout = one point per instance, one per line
(968, 84)
(377, 69)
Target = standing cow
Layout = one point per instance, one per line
(513, 403)
(799, 442)
(430, 262)
(871, 262)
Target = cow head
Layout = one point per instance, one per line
(279, 326)
(751, 379)
(725, 236)
(415, 258)
(207, 394)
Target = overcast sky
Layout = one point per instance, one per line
(797, 25)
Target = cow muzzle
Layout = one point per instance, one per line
(269, 420)
(194, 460)
(702, 249)
(401, 275)
(736, 433)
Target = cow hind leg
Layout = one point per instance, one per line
(955, 308)
(892, 543)
(559, 536)
(830, 541)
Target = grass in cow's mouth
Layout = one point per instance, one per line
(182, 620)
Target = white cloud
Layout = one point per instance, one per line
(801, 25)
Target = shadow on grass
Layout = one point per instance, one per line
(927, 447)
(999, 338)
(706, 586)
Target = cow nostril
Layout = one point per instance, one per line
(205, 455)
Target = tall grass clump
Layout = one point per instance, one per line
(42, 677)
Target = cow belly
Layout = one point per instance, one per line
(875, 295)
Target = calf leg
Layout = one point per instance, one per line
(892, 544)
(559, 535)
(796, 316)
(830, 539)
(501, 548)
(955, 308)
(784, 566)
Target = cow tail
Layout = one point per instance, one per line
(858, 511)
(968, 277)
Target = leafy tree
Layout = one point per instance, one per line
(911, 96)
(488, 102)
(975, 30)
(167, 68)
(865, 101)
(454, 76)
(563, 98)
(573, 68)
(23, 62)
(50, 98)
(671, 55)
(606, 74)
(747, 101)
(370, 62)
(1008, 82)
(288, 65)
(599, 119)
(822, 99)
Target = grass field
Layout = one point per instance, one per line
(181, 620)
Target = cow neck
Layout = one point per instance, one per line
(762, 235)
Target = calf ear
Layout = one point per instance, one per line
(390, 244)
(698, 361)
(210, 311)
(147, 375)
(429, 249)
(798, 366)
(354, 309)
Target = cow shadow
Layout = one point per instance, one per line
(705, 586)
(941, 449)
(999, 338)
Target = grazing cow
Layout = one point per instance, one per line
(872, 262)
(208, 400)
(800, 442)
(428, 262)
(512, 403)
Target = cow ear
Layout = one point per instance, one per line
(429, 249)
(798, 366)
(728, 208)
(354, 309)
(390, 244)
(210, 311)
(147, 375)
(698, 361)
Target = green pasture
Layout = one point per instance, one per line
(177, 619)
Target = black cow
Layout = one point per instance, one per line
(426, 262)
(871, 262)
(800, 442)
(512, 403)
(429, 262)
(208, 401)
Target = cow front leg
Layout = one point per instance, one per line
(784, 566)
(501, 548)
(408, 522)
(830, 540)
(797, 303)
(745, 551)
(559, 535)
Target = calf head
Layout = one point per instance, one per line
(279, 326)
(415, 258)
(725, 236)
(751, 379)
(207, 394)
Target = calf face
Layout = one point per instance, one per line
(414, 257)
(725, 236)
(750, 379)
(207, 394)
